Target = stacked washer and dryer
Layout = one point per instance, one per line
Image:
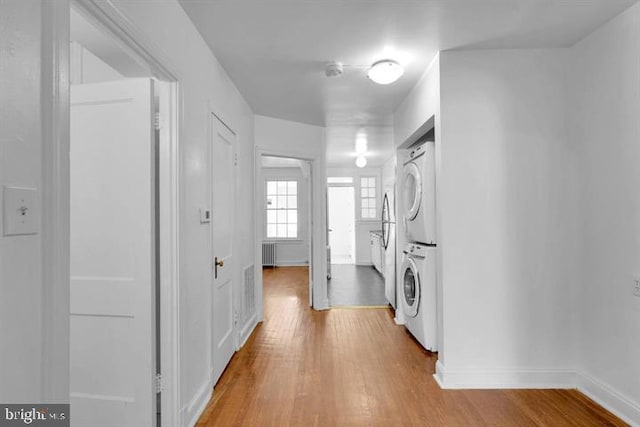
(418, 271)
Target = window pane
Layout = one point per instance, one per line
(282, 230)
(372, 203)
(282, 217)
(271, 230)
(340, 180)
(271, 216)
(372, 192)
(270, 201)
(292, 230)
(281, 202)
(365, 203)
(372, 213)
(271, 187)
(365, 212)
(293, 216)
(282, 187)
(363, 182)
(292, 202)
(364, 192)
(292, 187)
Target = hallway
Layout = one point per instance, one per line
(346, 367)
(355, 285)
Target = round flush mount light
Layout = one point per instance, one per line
(361, 161)
(385, 71)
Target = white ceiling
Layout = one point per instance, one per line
(275, 50)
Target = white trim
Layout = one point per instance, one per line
(613, 401)
(199, 402)
(609, 399)
(55, 200)
(110, 19)
(504, 378)
(292, 264)
(105, 15)
(248, 328)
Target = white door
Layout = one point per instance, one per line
(342, 225)
(223, 185)
(112, 255)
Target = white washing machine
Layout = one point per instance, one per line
(419, 195)
(418, 292)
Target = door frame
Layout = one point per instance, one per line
(108, 18)
(317, 231)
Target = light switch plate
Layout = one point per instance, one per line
(21, 214)
(636, 286)
(205, 215)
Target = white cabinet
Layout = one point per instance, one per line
(377, 252)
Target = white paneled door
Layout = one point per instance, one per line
(223, 187)
(112, 255)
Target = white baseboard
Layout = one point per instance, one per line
(198, 403)
(616, 403)
(246, 331)
(494, 379)
(610, 399)
(292, 263)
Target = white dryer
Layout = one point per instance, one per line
(418, 275)
(419, 195)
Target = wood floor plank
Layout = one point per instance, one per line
(357, 368)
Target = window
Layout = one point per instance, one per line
(340, 180)
(368, 197)
(282, 209)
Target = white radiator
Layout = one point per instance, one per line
(268, 254)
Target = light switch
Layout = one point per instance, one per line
(21, 214)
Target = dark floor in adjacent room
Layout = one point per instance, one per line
(344, 367)
(355, 285)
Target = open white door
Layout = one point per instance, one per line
(223, 185)
(112, 255)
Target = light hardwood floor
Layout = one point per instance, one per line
(355, 367)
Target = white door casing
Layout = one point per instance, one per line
(222, 226)
(112, 206)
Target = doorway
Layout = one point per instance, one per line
(341, 208)
(122, 222)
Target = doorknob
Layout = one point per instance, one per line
(217, 263)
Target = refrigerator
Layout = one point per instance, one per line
(389, 243)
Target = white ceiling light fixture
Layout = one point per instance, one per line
(361, 161)
(361, 146)
(385, 71)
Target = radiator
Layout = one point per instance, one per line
(268, 254)
(249, 297)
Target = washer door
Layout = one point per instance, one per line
(410, 287)
(412, 187)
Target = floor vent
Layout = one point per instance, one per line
(268, 254)
(249, 297)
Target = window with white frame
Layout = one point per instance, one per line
(282, 209)
(368, 197)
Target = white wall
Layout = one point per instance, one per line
(291, 139)
(21, 281)
(508, 205)
(203, 82)
(605, 123)
(292, 252)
